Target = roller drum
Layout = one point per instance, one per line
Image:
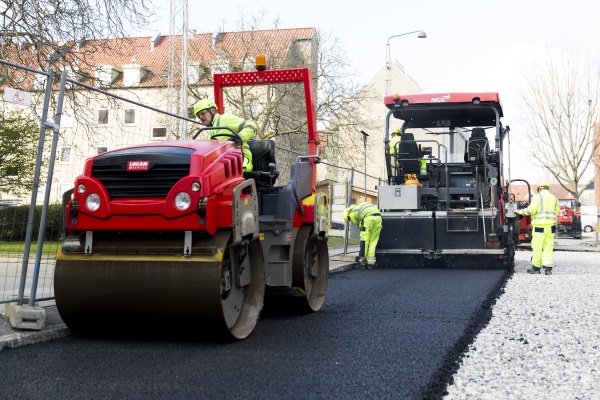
(220, 294)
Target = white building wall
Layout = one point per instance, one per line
(376, 111)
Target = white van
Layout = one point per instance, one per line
(589, 218)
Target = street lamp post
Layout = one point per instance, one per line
(388, 60)
(365, 136)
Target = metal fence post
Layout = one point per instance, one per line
(348, 199)
(38, 166)
(55, 128)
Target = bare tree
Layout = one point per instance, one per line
(53, 32)
(280, 114)
(50, 35)
(562, 100)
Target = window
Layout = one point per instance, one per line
(41, 193)
(190, 113)
(11, 171)
(66, 119)
(65, 155)
(11, 138)
(101, 149)
(159, 133)
(102, 116)
(129, 116)
(62, 188)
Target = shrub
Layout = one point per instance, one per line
(13, 223)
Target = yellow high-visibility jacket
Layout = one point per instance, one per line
(543, 209)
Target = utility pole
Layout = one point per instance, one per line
(388, 58)
(365, 136)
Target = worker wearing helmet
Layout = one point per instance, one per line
(394, 143)
(394, 140)
(367, 218)
(207, 112)
(543, 209)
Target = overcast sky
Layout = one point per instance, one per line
(471, 45)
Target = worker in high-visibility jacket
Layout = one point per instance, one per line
(367, 218)
(423, 166)
(543, 209)
(394, 144)
(207, 112)
(394, 140)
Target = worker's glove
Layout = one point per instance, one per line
(519, 213)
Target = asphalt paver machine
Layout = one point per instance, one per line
(443, 204)
(174, 234)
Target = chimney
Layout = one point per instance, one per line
(215, 39)
(154, 40)
(80, 43)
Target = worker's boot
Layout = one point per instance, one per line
(534, 270)
(370, 262)
(360, 259)
(361, 263)
(548, 270)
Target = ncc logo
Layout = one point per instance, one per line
(138, 165)
(441, 99)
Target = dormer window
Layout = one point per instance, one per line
(39, 81)
(105, 75)
(195, 72)
(75, 74)
(133, 74)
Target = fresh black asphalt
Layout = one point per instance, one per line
(382, 334)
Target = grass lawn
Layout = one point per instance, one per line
(52, 247)
(339, 241)
(19, 247)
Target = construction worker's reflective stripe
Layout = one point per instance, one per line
(241, 126)
(245, 124)
(363, 208)
(545, 215)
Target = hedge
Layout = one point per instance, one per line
(13, 223)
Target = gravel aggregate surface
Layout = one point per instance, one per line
(543, 341)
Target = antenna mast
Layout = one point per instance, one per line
(177, 94)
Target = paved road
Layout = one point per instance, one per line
(384, 334)
(381, 334)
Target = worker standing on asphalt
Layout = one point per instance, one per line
(543, 209)
(207, 112)
(367, 218)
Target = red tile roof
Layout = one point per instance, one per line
(231, 46)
